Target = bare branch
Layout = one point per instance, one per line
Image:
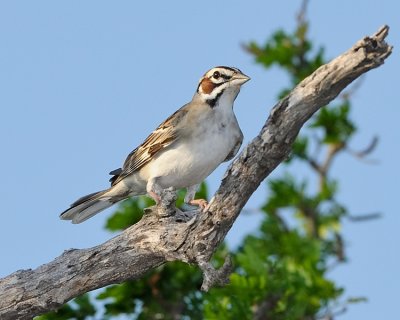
(367, 151)
(301, 15)
(163, 237)
(364, 217)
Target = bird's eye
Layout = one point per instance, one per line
(216, 75)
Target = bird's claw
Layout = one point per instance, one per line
(201, 203)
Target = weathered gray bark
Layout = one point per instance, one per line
(189, 237)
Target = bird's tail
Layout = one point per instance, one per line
(87, 206)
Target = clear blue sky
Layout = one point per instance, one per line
(83, 82)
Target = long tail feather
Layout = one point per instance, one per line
(87, 206)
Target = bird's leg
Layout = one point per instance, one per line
(165, 199)
(154, 196)
(154, 190)
(189, 198)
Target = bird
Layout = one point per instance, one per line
(181, 152)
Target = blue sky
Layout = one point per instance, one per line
(83, 83)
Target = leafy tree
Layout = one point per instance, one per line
(281, 270)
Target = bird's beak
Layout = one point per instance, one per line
(240, 78)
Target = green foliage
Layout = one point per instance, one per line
(152, 296)
(291, 52)
(129, 212)
(281, 270)
(299, 148)
(335, 123)
(79, 309)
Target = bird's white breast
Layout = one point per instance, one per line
(192, 159)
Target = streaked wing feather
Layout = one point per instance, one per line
(159, 139)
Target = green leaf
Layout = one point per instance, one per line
(80, 308)
(335, 123)
(128, 213)
(299, 148)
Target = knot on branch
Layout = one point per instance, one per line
(215, 277)
(166, 207)
(376, 45)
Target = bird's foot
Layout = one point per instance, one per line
(201, 203)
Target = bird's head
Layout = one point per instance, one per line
(220, 81)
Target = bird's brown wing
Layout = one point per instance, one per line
(165, 134)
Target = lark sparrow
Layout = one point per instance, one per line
(181, 152)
